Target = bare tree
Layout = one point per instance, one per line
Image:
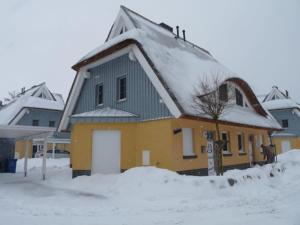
(213, 98)
(12, 95)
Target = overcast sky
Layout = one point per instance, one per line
(257, 39)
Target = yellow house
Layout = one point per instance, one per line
(132, 104)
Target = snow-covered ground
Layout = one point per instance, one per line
(141, 196)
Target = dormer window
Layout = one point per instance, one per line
(239, 98)
(42, 95)
(223, 93)
(285, 123)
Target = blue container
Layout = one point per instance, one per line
(11, 165)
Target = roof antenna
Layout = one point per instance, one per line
(177, 31)
(183, 32)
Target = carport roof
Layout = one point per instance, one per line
(19, 132)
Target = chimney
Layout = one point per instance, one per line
(23, 90)
(183, 33)
(177, 31)
(1, 103)
(286, 93)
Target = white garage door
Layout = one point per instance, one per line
(106, 151)
(285, 146)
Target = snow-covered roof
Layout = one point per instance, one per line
(245, 116)
(179, 64)
(281, 104)
(37, 96)
(105, 112)
(275, 94)
(276, 99)
(12, 131)
(283, 134)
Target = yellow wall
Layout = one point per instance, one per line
(294, 142)
(154, 136)
(21, 146)
(164, 146)
(180, 164)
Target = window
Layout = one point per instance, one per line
(99, 94)
(241, 142)
(259, 142)
(35, 122)
(51, 123)
(239, 98)
(187, 136)
(285, 123)
(224, 136)
(223, 93)
(121, 88)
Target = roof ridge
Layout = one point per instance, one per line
(151, 21)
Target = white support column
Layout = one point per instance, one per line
(26, 157)
(44, 158)
(53, 150)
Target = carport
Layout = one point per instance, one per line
(37, 134)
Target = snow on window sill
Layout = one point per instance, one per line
(122, 100)
(242, 153)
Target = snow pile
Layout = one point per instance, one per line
(36, 164)
(148, 195)
(288, 164)
(150, 181)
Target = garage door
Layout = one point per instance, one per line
(106, 151)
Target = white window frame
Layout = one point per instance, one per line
(188, 142)
(146, 157)
(243, 142)
(119, 86)
(97, 94)
(228, 139)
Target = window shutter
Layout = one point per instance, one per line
(187, 135)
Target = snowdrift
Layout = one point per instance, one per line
(36, 164)
(153, 182)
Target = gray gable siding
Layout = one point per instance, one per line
(142, 98)
(43, 115)
(293, 120)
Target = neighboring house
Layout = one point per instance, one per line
(132, 104)
(287, 112)
(35, 107)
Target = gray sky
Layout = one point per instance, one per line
(257, 39)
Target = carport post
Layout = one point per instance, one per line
(53, 150)
(26, 158)
(44, 158)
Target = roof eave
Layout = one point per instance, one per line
(199, 118)
(104, 53)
